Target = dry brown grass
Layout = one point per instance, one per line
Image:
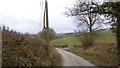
(101, 55)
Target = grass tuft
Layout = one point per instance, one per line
(98, 55)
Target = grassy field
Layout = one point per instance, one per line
(105, 36)
(70, 41)
(106, 39)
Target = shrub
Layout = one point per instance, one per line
(87, 39)
(23, 50)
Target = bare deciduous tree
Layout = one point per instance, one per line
(81, 11)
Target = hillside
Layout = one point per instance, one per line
(70, 41)
(102, 53)
(24, 50)
(102, 36)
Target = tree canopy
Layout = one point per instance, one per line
(52, 34)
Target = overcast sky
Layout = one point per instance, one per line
(25, 15)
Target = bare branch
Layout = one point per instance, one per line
(85, 13)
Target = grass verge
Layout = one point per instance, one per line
(55, 58)
(98, 55)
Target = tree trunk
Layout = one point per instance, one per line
(118, 37)
(90, 30)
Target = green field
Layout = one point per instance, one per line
(70, 41)
(106, 39)
(105, 36)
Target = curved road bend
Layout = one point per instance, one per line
(70, 59)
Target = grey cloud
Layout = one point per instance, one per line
(62, 24)
(21, 25)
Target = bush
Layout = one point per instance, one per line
(87, 40)
(52, 34)
(24, 50)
